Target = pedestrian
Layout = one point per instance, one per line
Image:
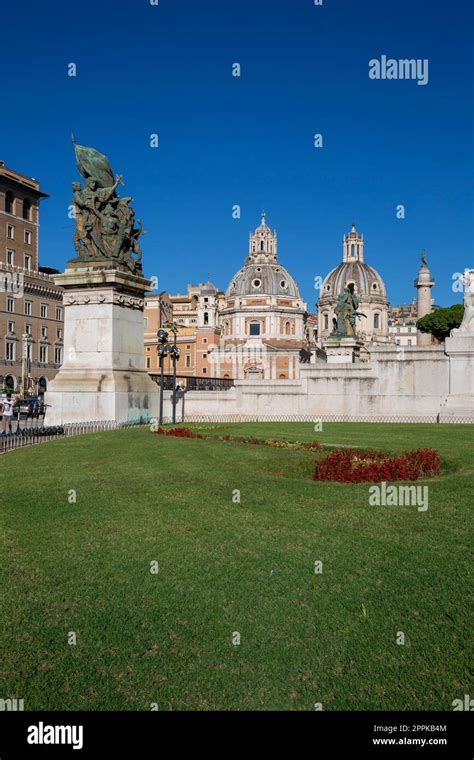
(7, 412)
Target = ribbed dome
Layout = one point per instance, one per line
(366, 280)
(263, 279)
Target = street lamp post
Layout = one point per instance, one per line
(162, 351)
(174, 353)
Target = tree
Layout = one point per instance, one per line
(440, 322)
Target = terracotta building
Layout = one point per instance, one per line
(31, 311)
(196, 314)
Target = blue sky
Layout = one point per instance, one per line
(167, 69)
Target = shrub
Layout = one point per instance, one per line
(347, 466)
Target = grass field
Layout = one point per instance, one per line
(226, 568)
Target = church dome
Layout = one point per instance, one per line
(353, 268)
(366, 279)
(262, 274)
(261, 278)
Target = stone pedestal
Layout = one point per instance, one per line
(460, 350)
(341, 350)
(103, 377)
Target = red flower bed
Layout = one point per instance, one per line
(179, 432)
(348, 466)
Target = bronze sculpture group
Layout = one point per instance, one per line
(105, 222)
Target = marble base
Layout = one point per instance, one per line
(459, 347)
(103, 377)
(341, 350)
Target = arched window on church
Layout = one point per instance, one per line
(261, 246)
(376, 321)
(326, 321)
(287, 328)
(352, 249)
(206, 318)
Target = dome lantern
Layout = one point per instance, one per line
(353, 246)
(263, 243)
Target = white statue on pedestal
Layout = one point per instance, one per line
(467, 324)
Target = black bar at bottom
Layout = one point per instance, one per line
(107, 734)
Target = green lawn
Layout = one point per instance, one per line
(226, 567)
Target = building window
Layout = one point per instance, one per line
(254, 328)
(28, 262)
(44, 311)
(206, 318)
(59, 313)
(43, 354)
(27, 237)
(148, 362)
(256, 283)
(11, 327)
(11, 305)
(28, 329)
(58, 355)
(326, 321)
(204, 371)
(204, 340)
(10, 257)
(26, 212)
(409, 341)
(352, 250)
(187, 360)
(10, 350)
(10, 232)
(9, 203)
(59, 335)
(44, 331)
(376, 321)
(28, 308)
(287, 328)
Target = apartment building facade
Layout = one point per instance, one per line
(31, 308)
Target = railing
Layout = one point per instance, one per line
(314, 418)
(195, 383)
(23, 435)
